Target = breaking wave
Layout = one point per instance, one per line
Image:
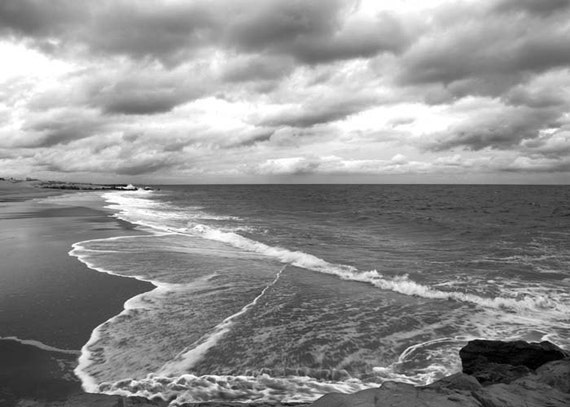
(145, 212)
(173, 382)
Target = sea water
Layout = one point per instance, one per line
(285, 293)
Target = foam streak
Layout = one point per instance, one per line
(400, 284)
(185, 360)
(39, 345)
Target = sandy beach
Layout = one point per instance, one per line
(49, 301)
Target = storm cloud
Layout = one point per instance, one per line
(310, 32)
(176, 89)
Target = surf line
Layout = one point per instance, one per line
(192, 354)
(39, 345)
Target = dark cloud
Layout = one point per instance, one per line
(500, 130)
(258, 136)
(175, 146)
(139, 102)
(107, 158)
(486, 53)
(151, 29)
(543, 51)
(538, 99)
(310, 31)
(165, 31)
(38, 19)
(278, 24)
(268, 77)
(361, 39)
(62, 127)
(537, 7)
(552, 144)
(258, 68)
(315, 32)
(6, 154)
(142, 167)
(315, 113)
(141, 90)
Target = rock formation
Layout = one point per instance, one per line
(495, 374)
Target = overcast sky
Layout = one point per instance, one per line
(286, 90)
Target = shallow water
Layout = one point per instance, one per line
(288, 292)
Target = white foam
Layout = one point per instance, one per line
(401, 284)
(39, 345)
(189, 388)
(184, 361)
(81, 252)
(442, 362)
(295, 258)
(527, 303)
(532, 302)
(89, 383)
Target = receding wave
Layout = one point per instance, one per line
(190, 388)
(401, 284)
(39, 345)
(289, 385)
(188, 357)
(173, 382)
(140, 209)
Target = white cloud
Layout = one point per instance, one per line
(288, 89)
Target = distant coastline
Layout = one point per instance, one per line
(70, 185)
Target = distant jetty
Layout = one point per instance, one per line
(81, 186)
(69, 185)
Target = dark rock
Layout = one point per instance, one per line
(555, 374)
(457, 381)
(504, 362)
(524, 392)
(399, 395)
(490, 373)
(505, 374)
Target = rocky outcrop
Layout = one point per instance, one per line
(495, 374)
(401, 394)
(503, 362)
(555, 374)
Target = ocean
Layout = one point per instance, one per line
(287, 292)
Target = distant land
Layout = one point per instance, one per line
(79, 186)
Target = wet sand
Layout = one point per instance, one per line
(30, 373)
(47, 295)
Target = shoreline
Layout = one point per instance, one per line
(49, 300)
(41, 373)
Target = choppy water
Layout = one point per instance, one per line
(289, 292)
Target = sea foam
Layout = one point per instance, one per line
(146, 212)
(173, 383)
(39, 345)
(184, 361)
(401, 284)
